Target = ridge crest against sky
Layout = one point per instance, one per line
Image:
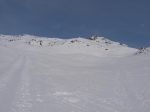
(126, 21)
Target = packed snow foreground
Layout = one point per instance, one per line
(72, 75)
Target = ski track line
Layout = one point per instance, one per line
(6, 75)
(23, 100)
(9, 84)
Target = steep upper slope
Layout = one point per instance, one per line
(98, 46)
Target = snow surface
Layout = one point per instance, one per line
(72, 75)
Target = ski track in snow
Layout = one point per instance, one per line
(23, 101)
(9, 83)
(6, 75)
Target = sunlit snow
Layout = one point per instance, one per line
(40, 74)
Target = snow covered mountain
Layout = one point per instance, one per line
(98, 46)
(72, 75)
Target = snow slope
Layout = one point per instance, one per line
(98, 47)
(143, 51)
(68, 76)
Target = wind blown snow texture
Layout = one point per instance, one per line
(72, 75)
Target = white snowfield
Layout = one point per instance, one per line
(72, 75)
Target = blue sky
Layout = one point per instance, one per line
(126, 21)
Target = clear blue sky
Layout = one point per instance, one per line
(126, 21)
